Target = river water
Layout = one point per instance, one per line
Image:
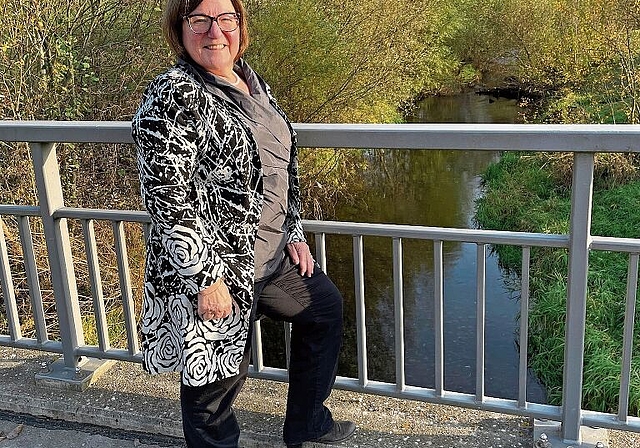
(429, 188)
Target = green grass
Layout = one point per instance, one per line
(522, 195)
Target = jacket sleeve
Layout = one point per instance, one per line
(166, 135)
(293, 220)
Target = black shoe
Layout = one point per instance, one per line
(340, 432)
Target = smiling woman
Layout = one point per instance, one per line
(218, 168)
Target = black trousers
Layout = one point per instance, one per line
(313, 305)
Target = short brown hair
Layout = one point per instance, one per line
(173, 16)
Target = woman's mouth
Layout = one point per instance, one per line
(215, 46)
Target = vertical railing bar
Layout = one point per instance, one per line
(398, 300)
(321, 251)
(256, 348)
(579, 242)
(287, 343)
(627, 344)
(358, 269)
(438, 290)
(95, 282)
(65, 289)
(524, 327)
(125, 287)
(8, 290)
(33, 280)
(480, 319)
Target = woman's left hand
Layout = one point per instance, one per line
(215, 302)
(301, 255)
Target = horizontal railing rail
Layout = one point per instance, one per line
(487, 137)
(582, 140)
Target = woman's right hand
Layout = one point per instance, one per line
(215, 302)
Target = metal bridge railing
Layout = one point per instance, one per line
(584, 141)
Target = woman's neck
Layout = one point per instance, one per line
(232, 79)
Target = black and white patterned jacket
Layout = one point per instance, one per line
(201, 182)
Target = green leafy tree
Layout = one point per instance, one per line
(66, 60)
(349, 61)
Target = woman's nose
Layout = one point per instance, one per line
(215, 30)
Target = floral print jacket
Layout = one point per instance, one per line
(201, 183)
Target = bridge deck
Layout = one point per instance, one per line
(126, 398)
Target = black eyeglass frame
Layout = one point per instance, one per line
(212, 19)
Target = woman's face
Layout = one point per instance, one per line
(216, 50)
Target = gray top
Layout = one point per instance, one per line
(273, 138)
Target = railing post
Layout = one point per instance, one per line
(50, 199)
(579, 242)
(8, 291)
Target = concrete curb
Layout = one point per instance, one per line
(90, 415)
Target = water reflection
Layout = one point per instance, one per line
(467, 107)
(430, 188)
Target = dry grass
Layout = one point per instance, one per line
(610, 169)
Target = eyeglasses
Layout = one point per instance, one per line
(201, 23)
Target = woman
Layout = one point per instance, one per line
(218, 170)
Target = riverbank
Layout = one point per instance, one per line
(522, 194)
